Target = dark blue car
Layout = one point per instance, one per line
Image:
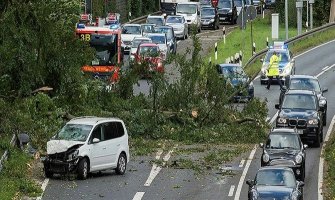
(236, 76)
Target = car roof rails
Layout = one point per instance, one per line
(81, 117)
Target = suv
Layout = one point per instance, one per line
(306, 82)
(300, 109)
(88, 144)
(284, 147)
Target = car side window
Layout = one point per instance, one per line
(113, 130)
(120, 129)
(97, 133)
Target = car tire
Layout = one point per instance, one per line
(83, 169)
(324, 119)
(317, 141)
(48, 173)
(121, 164)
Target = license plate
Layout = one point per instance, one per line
(300, 132)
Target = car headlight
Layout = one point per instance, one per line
(298, 159)
(230, 11)
(287, 70)
(212, 20)
(281, 120)
(322, 102)
(264, 70)
(73, 155)
(266, 157)
(313, 121)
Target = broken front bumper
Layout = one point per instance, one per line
(60, 166)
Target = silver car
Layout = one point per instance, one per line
(179, 25)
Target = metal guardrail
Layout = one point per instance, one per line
(290, 41)
(5, 154)
(142, 18)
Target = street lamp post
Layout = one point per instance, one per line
(286, 19)
(311, 13)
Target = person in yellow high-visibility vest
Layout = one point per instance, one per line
(273, 70)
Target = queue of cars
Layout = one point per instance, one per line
(302, 114)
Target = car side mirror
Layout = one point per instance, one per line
(261, 145)
(301, 184)
(305, 146)
(277, 106)
(95, 140)
(198, 12)
(261, 59)
(250, 182)
(324, 89)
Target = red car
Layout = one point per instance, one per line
(150, 53)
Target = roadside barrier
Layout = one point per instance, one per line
(224, 34)
(5, 154)
(142, 18)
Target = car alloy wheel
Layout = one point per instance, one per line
(83, 169)
(121, 164)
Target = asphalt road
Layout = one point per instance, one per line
(144, 180)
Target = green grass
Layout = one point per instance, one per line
(240, 40)
(329, 175)
(14, 178)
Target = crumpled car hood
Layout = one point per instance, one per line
(58, 146)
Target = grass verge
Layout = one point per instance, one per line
(329, 170)
(14, 178)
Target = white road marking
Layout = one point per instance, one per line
(44, 185)
(314, 48)
(155, 168)
(138, 196)
(320, 177)
(241, 182)
(153, 173)
(241, 163)
(274, 118)
(324, 70)
(231, 191)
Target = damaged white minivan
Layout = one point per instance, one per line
(88, 144)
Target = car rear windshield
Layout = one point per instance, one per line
(157, 21)
(157, 39)
(283, 56)
(207, 12)
(299, 101)
(224, 4)
(131, 30)
(175, 20)
(305, 84)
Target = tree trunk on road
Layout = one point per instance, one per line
(332, 12)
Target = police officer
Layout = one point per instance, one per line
(273, 70)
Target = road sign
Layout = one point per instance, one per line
(251, 12)
(215, 3)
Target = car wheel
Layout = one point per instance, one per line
(48, 173)
(324, 119)
(317, 141)
(121, 164)
(82, 169)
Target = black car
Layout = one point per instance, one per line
(275, 183)
(237, 78)
(284, 147)
(227, 11)
(300, 109)
(305, 82)
(209, 18)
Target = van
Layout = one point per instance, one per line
(191, 12)
(88, 144)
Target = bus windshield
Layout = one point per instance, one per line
(106, 49)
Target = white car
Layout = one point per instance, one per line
(129, 32)
(191, 11)
(88, 144)
(179, 25)
(136, 41)
(161, 41)
(158, 20)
